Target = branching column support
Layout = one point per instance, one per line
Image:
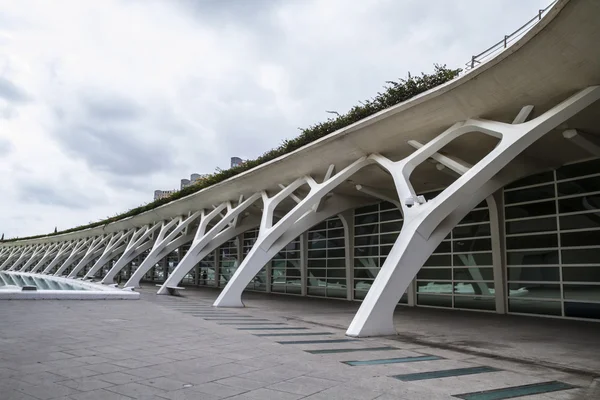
(205, 236)
(427, 223)
(42, 251)
(271, 236)
(63, 253)
(87, 256)
(111, 250)
(162, 241)
(78, 248)
(51, 252)
(23, 256)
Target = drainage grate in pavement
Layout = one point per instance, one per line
(444, 374)
(333, 351)
(293, 334)
(392, 360)
(516, 391)
(318, 341)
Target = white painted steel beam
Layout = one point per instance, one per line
(38, 255)
(93, 251)
(111, 250)
(64, 252)
(77, 250)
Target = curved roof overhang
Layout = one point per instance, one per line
(556, 58)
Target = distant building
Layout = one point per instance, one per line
(236, 161)
(194, 178)
(160, 194)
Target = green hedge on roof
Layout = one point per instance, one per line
(395, 92)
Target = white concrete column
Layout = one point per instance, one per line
(304, 263)
(496, 206)
(347, 219)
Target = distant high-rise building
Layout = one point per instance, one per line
(160, 194)
(194, 178)
(236, 161)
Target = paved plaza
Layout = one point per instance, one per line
(284, 347)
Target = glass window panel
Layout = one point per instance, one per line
(438, 260)
(335, 233)
(474, 274)
(386, 205)
(475, 303)
(532, 241)
(366, 251)
(367, 209)
(391, 227)
(278, 287)
(534, 257)
(529, 194)
(534, 290)
(584, 185)
(334, 223)
(581, 256)
(547, 176)
(316, 263)
(366, 219)
(579, 169)
(467, 245)
(582, 310)
(317, 235)
(531, 225)
(334, 253)
(579, 221)
(476, 216)
(478, 288)
(391, 215)
(471, 231)
(317, 244)
(317, 254)
(576, 204)
(363, 284)
(530, 210)
(581, 274)
(366, 229)
(389, 238)
(435, 274)
(366, 240)
(385, 250)
(433, 300)
(533, 274)
(335, 242)
(336, 263)
(468, 260)
(336, 292)
(585, 238)
(534, 307)
(337, 273)
(582, 292)
(319, 227)
(316, 291)
(444, 247)
(366, 273)
(359, 295)
(434, 287)
(317, 273)
(368, 262)
(293, 255)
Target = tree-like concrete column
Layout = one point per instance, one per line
(78, 249)
(426, 223)
(111, 250)
(26, 252)
(38, 254)
(51, 252)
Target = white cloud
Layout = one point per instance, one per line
(101, 102)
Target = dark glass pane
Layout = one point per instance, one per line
(581, 274)
(319, 227)
(317, 235)
(547, 176)
(363, 284)
(366, 240)
(336, 253)
(534, 257)
(531, 225)
(471, 231)
(366, 273)
(534, 307)
(582, 310)
(467, 245)
(442, 261)
(528, 290)
(433, 300)
(434, 287)
(476, 216)
(431, 195)
(337, 292)
(389, 238)
(366, 230)
(579, 169)
(579, 221)
(367, 262)
(584, 185)
(317, 254)
(366, 219)
(385, 250)
(529, 194)
(534, 274)
(391, 227)
(444, 247)
(366, 251)
(336, 263)
(317, 273)
(583, 203)
(479, 288)
(581, 256)
(334, 223)
(435, 274)
(468, 260)
(367, 209)
(390, 215)
(316, 263)
(316, 291)
(386, 205)
(293, 255)
(530, 210)
(335, 233)
(586, 238)
(532, 241)
(582, 292)
(336, 243)
(337, 273)
(474, 274)
(474, 303)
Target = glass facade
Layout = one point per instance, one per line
(285, 269)
(228, 261)
(259, 283)
(326, 265)
(553, 242)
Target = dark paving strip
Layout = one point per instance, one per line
(516, 391)
(444, 374)
(333, 351)
(392, 360)
(318, 341)
(216, 315)
(253, 323)
(294, 334)
(234, 319)
(287, 328)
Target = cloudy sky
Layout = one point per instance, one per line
(103, 101)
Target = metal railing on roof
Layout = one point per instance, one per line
(503, 44)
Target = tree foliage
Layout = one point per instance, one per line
(395, 92)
